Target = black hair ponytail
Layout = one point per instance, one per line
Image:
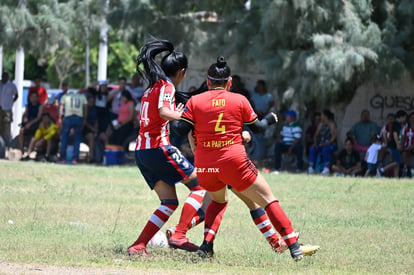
(219, 72)
(170, 63)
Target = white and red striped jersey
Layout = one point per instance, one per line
(407, 134)
(154, 130)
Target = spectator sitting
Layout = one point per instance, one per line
(31, 118)
(42, 93)
(91, 127)
(45, 136)
(324, 142)
(394, 145)
(52, 109)
(371, 156)
(386, 130)
(348, 161)
(291, 142)
(123, 125)
(386, 134)
(408, 145)
(311, 130)
(363, 132)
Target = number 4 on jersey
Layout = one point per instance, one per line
(219, 128)
(144, 113)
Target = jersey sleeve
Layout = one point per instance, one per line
(188, 113)
(248, 114)
(166, 97)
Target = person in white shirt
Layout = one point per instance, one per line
(371, 156)
(8, 95)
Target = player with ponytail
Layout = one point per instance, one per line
(161, 164)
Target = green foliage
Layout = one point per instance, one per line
(321, 50)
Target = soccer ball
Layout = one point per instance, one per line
(158, 240)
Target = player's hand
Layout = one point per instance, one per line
(246, 136)
(179, 108)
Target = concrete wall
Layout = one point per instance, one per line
(379, 100)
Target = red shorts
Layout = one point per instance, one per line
(239, 172)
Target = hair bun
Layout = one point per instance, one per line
(221, 62)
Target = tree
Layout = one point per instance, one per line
(319, 51)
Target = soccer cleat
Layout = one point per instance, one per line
(296, 251)
(206, 250)
(309, 249)
(181, 243)
(138, 250)
(75, 161)
(325, 171)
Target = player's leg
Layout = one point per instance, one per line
(261, 193)
(168, 197)
(197, 218)
(262, 223)
(145, 160)
(214, 215)
(192, 204)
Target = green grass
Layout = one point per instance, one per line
(86, 216)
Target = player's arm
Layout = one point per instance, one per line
(168, 114)
(182, 127)
(191, 141)
(259, 126)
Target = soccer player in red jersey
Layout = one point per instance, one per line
(161, 164)
(216, 118)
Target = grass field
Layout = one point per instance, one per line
(86, 216)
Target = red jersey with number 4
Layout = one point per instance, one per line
(218, 117)
(154, 130)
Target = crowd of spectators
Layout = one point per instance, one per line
(53, 126)
(107, 114)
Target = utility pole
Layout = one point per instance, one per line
(1, 60)
(18, 81)
(103, 46)
(87, 47)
